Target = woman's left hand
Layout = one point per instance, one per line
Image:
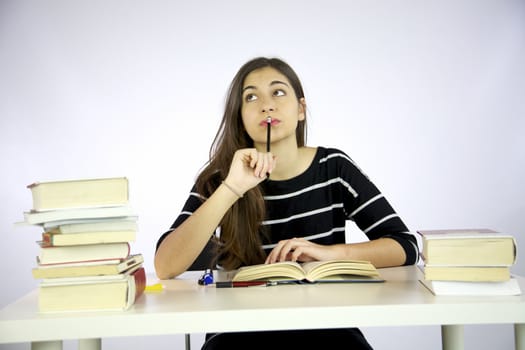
(299, 249)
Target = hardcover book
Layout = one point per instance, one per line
(82, 224)
(113, 292)
(50, 239)
(83, 253)
(94, 268)
(79, 193)
(95, 225)
(468, 247)
(41, 217)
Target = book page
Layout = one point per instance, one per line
(284, 269)
(316, 270)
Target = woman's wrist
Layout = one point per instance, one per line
(232, 189)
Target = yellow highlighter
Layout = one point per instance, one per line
(157, 287)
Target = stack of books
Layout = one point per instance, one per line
(85, 261)
(468, 262)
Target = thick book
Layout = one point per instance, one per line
(50, 239)
(467, 273)
(79, 193)
(310, 272)
(83, 253)
(109, 224)
(94, 268)
(509, 287)
(113, 292)
(89, 224)
(468, 247)
(55, 216)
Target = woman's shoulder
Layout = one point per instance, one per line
(338, 159)
(331, 153)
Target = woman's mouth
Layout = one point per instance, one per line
(274, 121)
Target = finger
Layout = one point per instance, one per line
(287, 249)
(246, 159)
(270, 259)
(300, 249)
(262, 164)
(302, 254)
(268, 164)
(274, 254)
(253, 158)
(296, 254)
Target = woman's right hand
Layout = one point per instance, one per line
(249, 168)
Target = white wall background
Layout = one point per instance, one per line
(427, 96)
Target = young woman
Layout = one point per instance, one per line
(287, 204)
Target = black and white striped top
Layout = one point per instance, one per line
(316, 205)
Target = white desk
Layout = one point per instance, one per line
(185, 307)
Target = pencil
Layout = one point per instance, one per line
(232, 284)
(268, 131)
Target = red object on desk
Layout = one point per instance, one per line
(231, 284)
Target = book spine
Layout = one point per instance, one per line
(140, 281)
(47, 240)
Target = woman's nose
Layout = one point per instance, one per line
(268, 106)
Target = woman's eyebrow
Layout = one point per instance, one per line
(274, 82)
(248, 87)
(278, 82)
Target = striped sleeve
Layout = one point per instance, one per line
(372, 212)
(193, 202)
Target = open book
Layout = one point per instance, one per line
(310, 272)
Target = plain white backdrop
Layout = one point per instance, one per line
(426, 96)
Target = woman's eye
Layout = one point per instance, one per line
(250, 97)
(279, 92)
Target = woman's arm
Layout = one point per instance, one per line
(382, 252)
(389, 243)
(178, 250)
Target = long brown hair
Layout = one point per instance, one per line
(240, 236)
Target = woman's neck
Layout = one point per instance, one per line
(291, 160)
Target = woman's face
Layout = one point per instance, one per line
(268, 93)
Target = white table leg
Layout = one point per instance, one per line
(47, 345)
(452, 337)
(89, 344)
(519, 336)
(187, 341)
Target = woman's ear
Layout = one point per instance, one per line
(302, 109)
